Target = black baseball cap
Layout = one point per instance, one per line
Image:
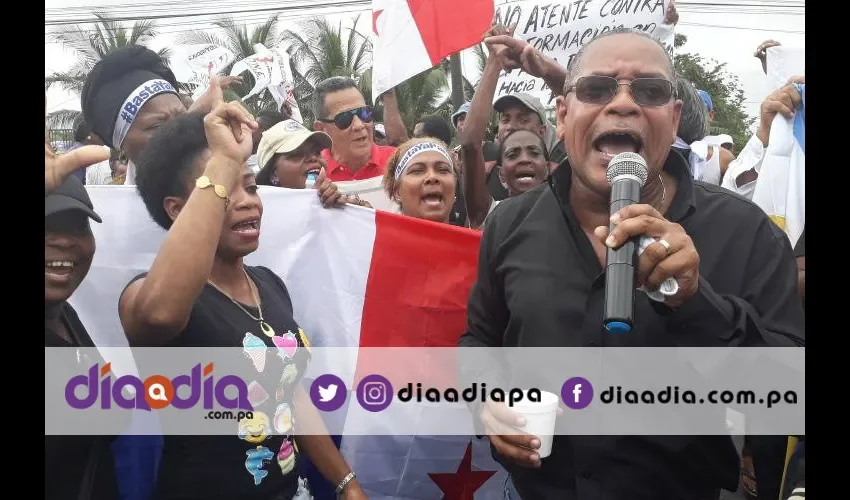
(71, 195)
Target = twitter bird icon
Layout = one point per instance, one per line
(328, 392)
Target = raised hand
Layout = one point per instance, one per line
(517, 54)
(671, 17)
(229, 129)
(214, 94)
(761, 52)
(58, 167)
(785, 101)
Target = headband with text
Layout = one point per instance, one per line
(416, 150)
(130, 110)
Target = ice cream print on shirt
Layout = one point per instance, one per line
(286, 456)
(280, 362)
(255, 349)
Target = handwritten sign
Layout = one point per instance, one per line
(560, 29)
(194, 64)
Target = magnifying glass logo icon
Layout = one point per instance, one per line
(158, 392)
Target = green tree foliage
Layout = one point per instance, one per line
(90, 42)
(723, 87)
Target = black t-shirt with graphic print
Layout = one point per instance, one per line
(251, 465)
(66, 458)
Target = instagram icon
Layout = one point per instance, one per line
(374, 393)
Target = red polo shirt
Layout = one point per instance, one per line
(375, 167)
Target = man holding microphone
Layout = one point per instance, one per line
(541, 280)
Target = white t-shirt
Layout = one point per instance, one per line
(130, 180)
(705, 169)
(99, 174)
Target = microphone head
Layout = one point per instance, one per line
(627, 164)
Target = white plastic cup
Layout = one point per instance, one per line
(539, 419)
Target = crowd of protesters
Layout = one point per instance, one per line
(197, 166)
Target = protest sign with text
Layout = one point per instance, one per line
(559, 30)
(194, 64)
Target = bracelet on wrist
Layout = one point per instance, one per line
(340, 487)
(204, 182)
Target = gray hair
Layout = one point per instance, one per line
(329, 86)
(693, 124)
(575, 61)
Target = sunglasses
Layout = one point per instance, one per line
(597, 89)
(343, 120)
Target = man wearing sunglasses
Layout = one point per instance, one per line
(342, 113)
(541, 278)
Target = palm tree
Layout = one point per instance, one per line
(325, 50)
(236, 38)
(91, 42)
(425, 94)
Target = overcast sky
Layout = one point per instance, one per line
(721, 32)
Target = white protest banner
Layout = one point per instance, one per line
(560, 29)
(196, 63)
(263, 66)
(284, 92)
(371, 190)
(783, 63)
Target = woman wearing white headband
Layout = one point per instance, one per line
(420, 177)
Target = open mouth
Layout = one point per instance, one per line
(433, 199)
(312, 171)
(613, 143)
(59, 268)
(360, 140)
(247, 227)
(525, 176)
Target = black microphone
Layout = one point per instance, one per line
(627, 173)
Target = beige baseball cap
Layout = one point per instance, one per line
(285, 137)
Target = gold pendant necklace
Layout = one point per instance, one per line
(264, 327)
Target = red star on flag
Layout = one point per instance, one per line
(462, 484)
(375, 15)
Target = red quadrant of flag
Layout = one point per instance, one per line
(417, 290)
(449, 26)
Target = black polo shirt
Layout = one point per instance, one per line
(541, 285)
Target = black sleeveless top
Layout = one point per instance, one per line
(66, 458)
(250, 465)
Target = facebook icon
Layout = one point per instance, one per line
(577, 393)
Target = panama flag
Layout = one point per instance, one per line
(412, 36)
(781, 187)
(357, 278)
